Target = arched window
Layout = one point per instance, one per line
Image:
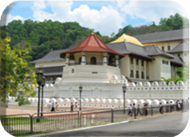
(80, 60)
(93, 61)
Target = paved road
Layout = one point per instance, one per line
(167, 125)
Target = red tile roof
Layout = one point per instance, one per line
(91, 44)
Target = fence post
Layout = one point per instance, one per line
(31, 123)
(134, 111)
(112, 120)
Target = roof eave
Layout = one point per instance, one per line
(161, 55)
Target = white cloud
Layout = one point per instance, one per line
(150, 10)
(106, 20)
(6, 18)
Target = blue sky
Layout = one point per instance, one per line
(103, 16)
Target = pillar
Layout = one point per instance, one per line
(134, 67)
(139, 68)
(117, 60)
(67, 59)
(105, 62)
(83, 60)
(145, 69)
(128, 67)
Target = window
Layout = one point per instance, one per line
(93, 61)
(178, 55)
(94, 72)
(162, 48)
(142, 63)
(164, 62)
(131, 60)
(137, 74)
(131, 75)
(142, 75)
(137, 62)
(168, 47)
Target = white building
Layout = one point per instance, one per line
(102, 70)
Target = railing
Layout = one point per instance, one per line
(97, 63)
(71, 64)
(109, 64)
(89, 63)
(26, 123)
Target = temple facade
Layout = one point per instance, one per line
(103, 69)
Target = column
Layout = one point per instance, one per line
(83, 60)
(117, 60)
(105, 62)
(134, 67)
(67, 59)
(140, 68)
(144, 69)
(128, 67)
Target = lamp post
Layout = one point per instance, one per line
(39, 81)
(80, 90)
(124, 90)
(43, 84)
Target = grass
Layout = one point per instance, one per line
(71, 128)
(15, 120)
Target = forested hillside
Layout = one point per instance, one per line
(172, 23)
(44, 36)
(51, 35)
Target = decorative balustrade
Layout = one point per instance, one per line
(97, 63)
(136, 93)
(90, 63)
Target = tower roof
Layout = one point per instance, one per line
(128, 39)
(90, 44)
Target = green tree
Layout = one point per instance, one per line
(186, 73)
(14, 73)
(179, 72)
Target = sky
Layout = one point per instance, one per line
(106, 16)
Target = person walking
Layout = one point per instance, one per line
(53, 107)
(133, 110)
(56, 106)
(177, 108)
(49, 106)
(130, 109)
(161, 107)
(179, 105)
(167, 107)
(138, 110)
(171, 106)
(145, 111)
(72, 107)
(76, 106)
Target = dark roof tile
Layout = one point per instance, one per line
(164, 36)
(181, 47)
(51, 56)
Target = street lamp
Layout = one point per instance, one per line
(124, 90)
(39, 81)
(80, 90)
(43, 84)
